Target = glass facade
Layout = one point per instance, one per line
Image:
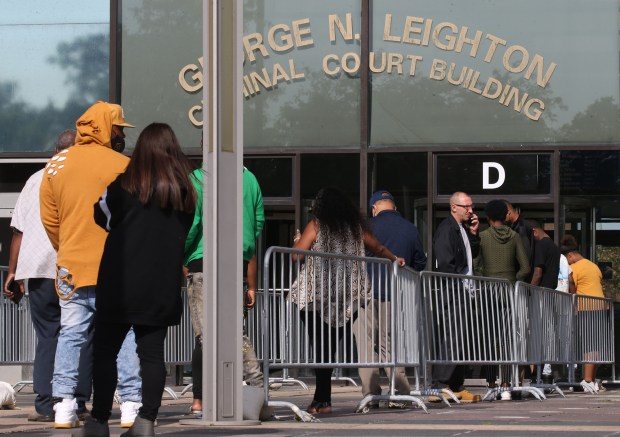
(161, 67)
(459, 96)
(274, 175)
(289, 101)
(441, 73)
(55, 64)
(590, 173)
(590, 208)
(334, 169)
(483, 72)
(404, 175)
(495, 72)
(493, 174)
(298, 92)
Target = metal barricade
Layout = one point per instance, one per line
(20, 340)
(319, 299)
(569, 330)
(548, 329)
(409, 344)
(593, 330)
(179, 343)
(474, 320)
(592, 335)
(254, 331)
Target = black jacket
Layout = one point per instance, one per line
(140, 274)
(525, 231)
(449, 253)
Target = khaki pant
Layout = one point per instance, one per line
(372, 330)
(252, 373)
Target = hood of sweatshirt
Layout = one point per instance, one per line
(94, 127)
(502, 235)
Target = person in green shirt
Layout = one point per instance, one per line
(253, 222)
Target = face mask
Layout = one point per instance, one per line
(118, 144)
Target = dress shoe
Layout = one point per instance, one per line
(36, 417)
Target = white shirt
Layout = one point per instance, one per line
(468, 285)
(37, 257)
(563, 274)
(470, 270)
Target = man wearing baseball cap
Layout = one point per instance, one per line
(402, 238)
(72, 182)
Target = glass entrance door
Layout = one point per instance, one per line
(278, 231)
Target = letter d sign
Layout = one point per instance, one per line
(501, 175)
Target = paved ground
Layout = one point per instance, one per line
(577, 415)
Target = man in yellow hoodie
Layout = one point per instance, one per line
(73, 181)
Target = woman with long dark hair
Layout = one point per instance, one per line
(147, 211)
(337, 228)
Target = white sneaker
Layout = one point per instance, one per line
(65, 414)
(599, 386)
(588, 387)
(506, 396)
(129, 411)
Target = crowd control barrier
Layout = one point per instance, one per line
(315, 315)
(409, 345)
(254, 331)
(592, 334)
(568, 330)
(549, 329)
(313, 323)
(20, 340)
(593, 338)
(475, 321)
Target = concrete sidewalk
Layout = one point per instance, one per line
(577, 415)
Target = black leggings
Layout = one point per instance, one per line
(197, 369)
(108, 340)
(320, 345)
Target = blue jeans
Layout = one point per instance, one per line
(45, 312)
(76, 320)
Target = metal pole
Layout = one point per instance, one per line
(223, 219)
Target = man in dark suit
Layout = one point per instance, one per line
(455, 244)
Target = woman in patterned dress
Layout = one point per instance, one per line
(328, 290)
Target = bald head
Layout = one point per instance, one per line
(461, 207)
(457, 197)
(65, 139)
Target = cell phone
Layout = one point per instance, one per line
(14, 288)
